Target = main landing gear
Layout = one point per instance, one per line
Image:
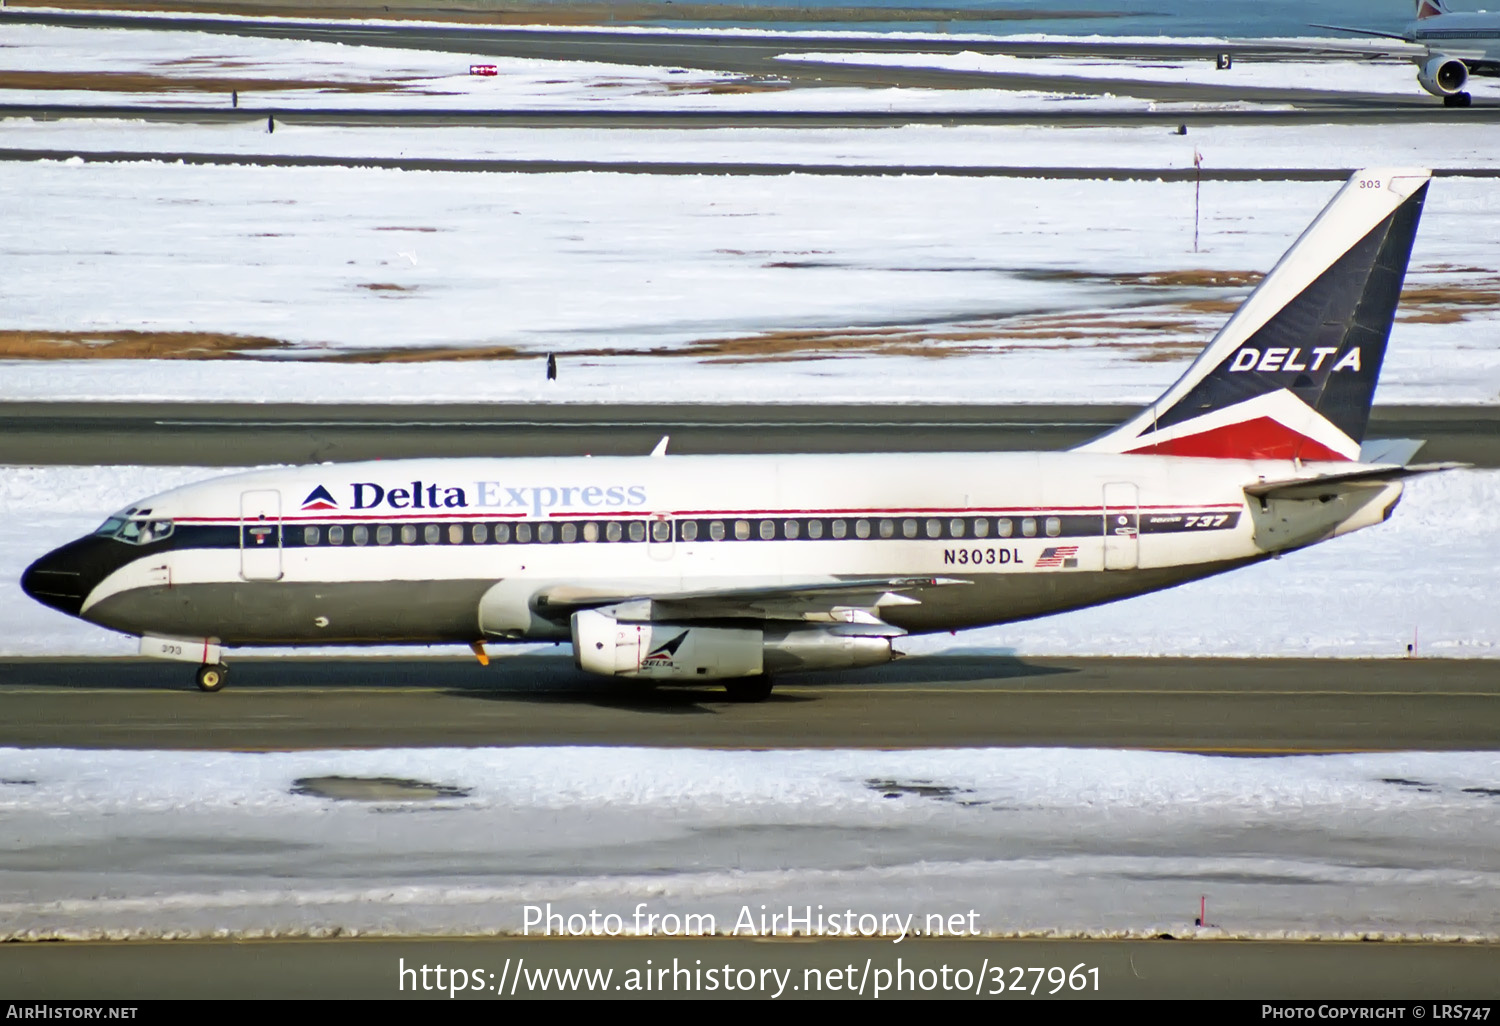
(211, 677)
(749, 689)
(1458, 100)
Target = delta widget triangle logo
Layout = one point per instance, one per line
(319, 498)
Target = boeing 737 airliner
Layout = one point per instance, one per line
(731, 568)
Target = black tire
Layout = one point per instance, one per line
(749, 689)
(212, 678)
(1458, 100)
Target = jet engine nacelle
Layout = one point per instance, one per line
(607, 646)
(1443, 76)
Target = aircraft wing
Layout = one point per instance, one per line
(850, 605)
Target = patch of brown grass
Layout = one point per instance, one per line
(402, 228)
(387, 286)
(1192, 278)
(144, 82)
(132, 345)
(453, 354)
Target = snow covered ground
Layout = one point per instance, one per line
(603, 269)
(1424, 576)
(1050, 841)
(297, 73)
(1028, 290)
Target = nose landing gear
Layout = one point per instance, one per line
(211, 677)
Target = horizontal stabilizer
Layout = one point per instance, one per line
(1316, 487)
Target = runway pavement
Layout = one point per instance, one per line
(237, 435)
(369, 969)
(1231, 706)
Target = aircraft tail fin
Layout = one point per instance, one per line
(1292, 373)
(1430, 8)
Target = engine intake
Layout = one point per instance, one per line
(1443, 76)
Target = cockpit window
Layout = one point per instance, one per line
(135, 530)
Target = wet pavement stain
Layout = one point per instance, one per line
(375, 789)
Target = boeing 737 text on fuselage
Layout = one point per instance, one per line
(732, 568)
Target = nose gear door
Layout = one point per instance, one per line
(260, 535)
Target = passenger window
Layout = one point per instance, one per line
(408, 534)
(1054, 527)
(840, 529)
(361, 534)
(935, 528)
(716, 530)
(637, 531)
(1028, 527)
(887, 528)
(383, 534)
(455, 534)
(502, 534)
(336, 535)
(815, 528)
(862, 529)
(590, 532)
(480, 533)
(544, 532)
(767, 529)
(613, 531)
(981, 528)
(523, 533)
(689, 530)
(310, 535)
(909, 528)
(741, 530)
(1003, 527)
(790, 529)
(430, 534)
(661, 530)
(955, 528)
(569, 532)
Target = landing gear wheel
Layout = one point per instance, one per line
(211, 678)
(1458, 100)
(749, 689)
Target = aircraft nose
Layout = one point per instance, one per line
(57, 580)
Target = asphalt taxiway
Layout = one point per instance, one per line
(1228, 706)
(248, 434)
(370, 969)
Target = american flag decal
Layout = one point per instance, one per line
(1065, 556)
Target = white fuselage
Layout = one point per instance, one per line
(460, 549)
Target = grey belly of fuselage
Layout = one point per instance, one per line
(447, 611)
